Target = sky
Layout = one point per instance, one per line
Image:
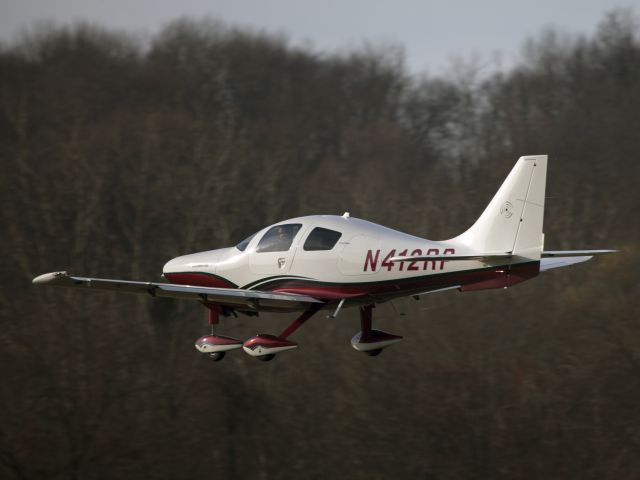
(431, 32)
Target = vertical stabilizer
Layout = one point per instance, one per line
(512, 222)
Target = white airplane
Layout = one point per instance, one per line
(330, 262)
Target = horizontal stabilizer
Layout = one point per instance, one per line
(565, 258)
(502, 256)
(557, 262)
(575, 253)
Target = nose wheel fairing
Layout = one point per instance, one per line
(217, 343)
(264, 344)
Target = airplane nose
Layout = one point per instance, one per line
(178, 264)
(184, 264)
(198, 269)
(173, 265)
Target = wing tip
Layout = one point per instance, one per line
(48, 278)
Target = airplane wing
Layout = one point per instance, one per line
(235, 298)
(452, 287)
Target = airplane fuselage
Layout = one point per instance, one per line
(355, 261)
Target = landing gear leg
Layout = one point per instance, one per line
(213, 346)
(366, 319)
(214, 316)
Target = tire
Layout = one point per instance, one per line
(374, 353)
(215, 356)
(266, 358)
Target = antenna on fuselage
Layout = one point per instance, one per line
(345, 215)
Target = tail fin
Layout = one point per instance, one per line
(512, 222)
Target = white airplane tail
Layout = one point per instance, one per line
(512, 222)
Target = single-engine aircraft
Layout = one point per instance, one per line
(332, 262)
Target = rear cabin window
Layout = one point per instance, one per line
(321, 239)
(278, 238)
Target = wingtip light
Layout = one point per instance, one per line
(47, 277)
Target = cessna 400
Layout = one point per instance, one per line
(331, 262)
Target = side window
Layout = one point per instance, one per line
(278, 238)
(321, 239)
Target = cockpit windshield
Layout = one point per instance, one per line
(244, 243)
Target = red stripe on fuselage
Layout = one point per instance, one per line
(498, 277)
(199, 280)
(476, 280)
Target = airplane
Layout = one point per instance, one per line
(332, 262)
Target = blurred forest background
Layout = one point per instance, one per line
(117, 155)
